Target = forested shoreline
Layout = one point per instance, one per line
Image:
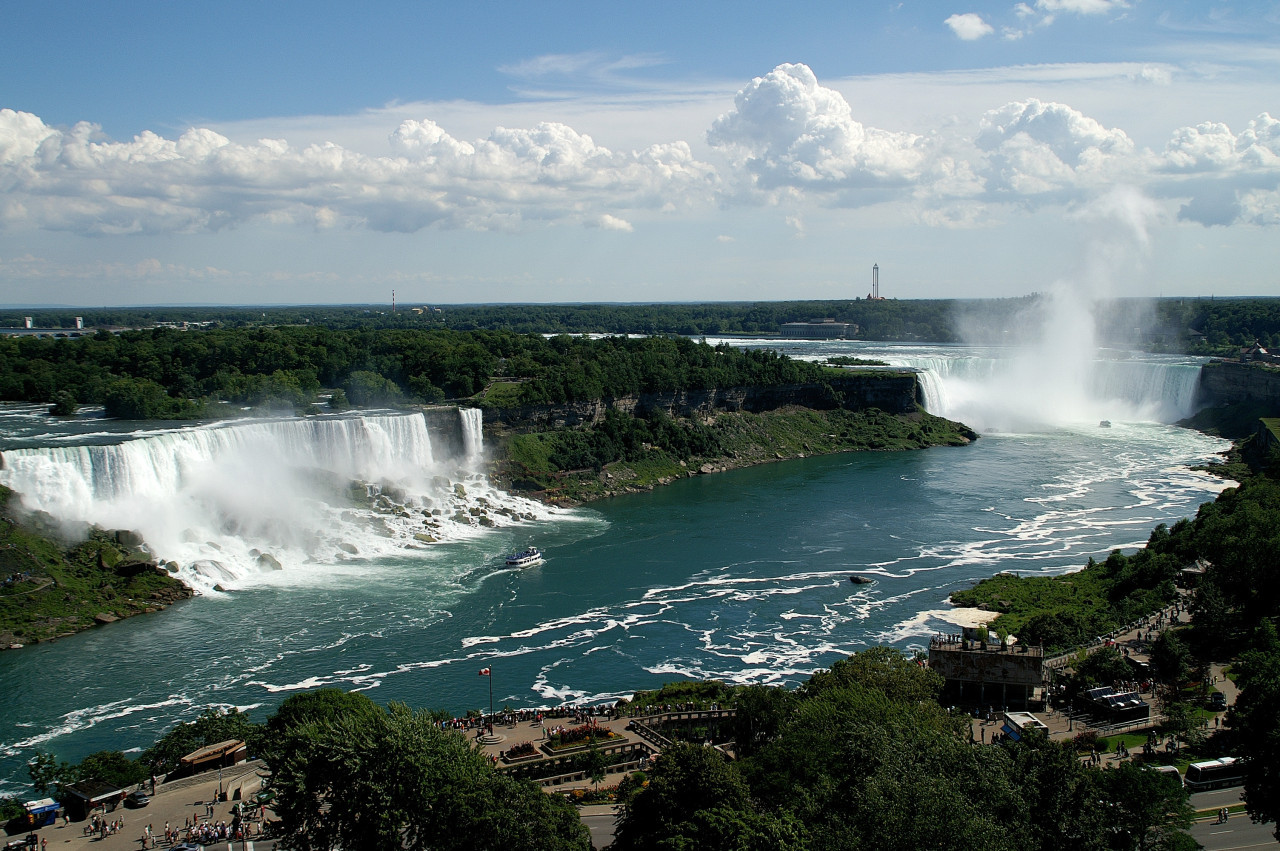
(171, 374)
(1196, 325)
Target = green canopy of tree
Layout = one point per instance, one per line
(862, 757)
(348, 774)
(1254, 721)
(212, 726)
(169, 374)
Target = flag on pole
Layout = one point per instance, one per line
(484, 672)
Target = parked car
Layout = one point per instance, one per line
(186, 846)
(1218, 701)
(136, 800)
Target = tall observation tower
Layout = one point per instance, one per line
(875, 281)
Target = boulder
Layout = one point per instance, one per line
(860, 580)
(128, 538)
(104, 618)
(266, 561)
(348, 548)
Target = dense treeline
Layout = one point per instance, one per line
(863, 756)
(1062, 612)
(1220, 326)
(165, 373)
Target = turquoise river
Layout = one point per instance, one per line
(741, 576)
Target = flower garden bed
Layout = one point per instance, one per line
(580, 738)
(523, 752)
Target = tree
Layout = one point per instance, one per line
(594, 764)
(761, 712)
(373, 778)
(212, 726)
(1144, 808)
(1255, 722)
(111, 767)
(64, 404)
(1170, 658)
(1102, 667)
(139, 399)
(884, 669)
(47, 773)
(369, 388)
(695, 801)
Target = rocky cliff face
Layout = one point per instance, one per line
(1228, 383)
(893, 392)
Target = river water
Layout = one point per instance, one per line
(742, 576)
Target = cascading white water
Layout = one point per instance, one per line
(472, 431)
(235, 503)
(1005, 390)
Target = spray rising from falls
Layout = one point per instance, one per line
(240, 503)
(1005, 390)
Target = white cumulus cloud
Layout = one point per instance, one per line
(969, 26)
(79, 181)
(1081, 7)
(1036, 147)
(608, 222)
(1227, 178)
(789, 132)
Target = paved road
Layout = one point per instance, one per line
(1237, 833)
(599, 820)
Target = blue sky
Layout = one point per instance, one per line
(161, 152)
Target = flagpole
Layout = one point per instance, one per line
(491, 694)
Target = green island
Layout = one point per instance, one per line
(865, 754)
(52, 588)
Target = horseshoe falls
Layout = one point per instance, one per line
(742, 576)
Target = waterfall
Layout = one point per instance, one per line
(1007, 390)
(232, 503)
(472, 420)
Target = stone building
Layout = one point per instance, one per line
(980, 672)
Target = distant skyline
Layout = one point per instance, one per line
(281, 153)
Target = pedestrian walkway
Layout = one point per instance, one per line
(1134, 643)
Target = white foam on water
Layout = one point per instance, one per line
(277, 501)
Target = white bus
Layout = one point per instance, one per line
(1215, 773)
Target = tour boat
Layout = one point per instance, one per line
(525, 558)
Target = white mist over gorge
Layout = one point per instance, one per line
(235, 504)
